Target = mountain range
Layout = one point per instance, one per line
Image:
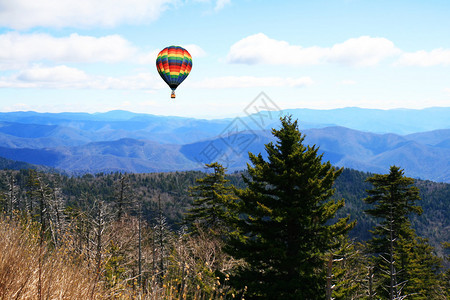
(362, 139)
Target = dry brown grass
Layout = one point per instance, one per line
(28, 270)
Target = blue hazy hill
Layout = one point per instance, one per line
(363, 139)
(399, 121)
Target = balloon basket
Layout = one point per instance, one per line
(172, 95)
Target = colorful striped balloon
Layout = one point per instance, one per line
(174, 64)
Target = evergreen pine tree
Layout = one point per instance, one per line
(421, 269)
(212, 208)
(286, 224)
(404, 264)
(346, 271)
(446, 275)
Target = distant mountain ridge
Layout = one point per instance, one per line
(131, 142)
(399, 121)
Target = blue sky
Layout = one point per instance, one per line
(99, 55)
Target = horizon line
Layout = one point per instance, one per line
(231, 115)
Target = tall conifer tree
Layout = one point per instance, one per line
(404, 263)
(286, 223)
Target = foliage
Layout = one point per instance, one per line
(97, 254)
(175, 201)
(405, 263)
(446, 275)
(346, 270)
(213, 205)
(284, 232)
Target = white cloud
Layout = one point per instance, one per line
(23, 48)
(425, 59)
(194, 50)
(259, 48)
(362, 51)
(17, 50)
(250, 81)
(23, 14)
(53, 74)
(348, 82)
(150, 57)
(17, 107)
(141, 81)
(220, 4)
(63, 77)
(47, 77)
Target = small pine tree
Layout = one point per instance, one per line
(345, 271)
(122, 199)
(214, 203)
(113, 268)
(421, 269)
(446, 275)
(286, 225)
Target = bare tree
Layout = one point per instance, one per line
(123, 199)
(10, 194)
(99, 220)
(161, 239)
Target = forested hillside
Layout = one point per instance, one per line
(172, 190)
(121, 225)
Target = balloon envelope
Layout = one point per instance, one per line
(174, 64)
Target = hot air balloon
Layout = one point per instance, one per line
(174, 64)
